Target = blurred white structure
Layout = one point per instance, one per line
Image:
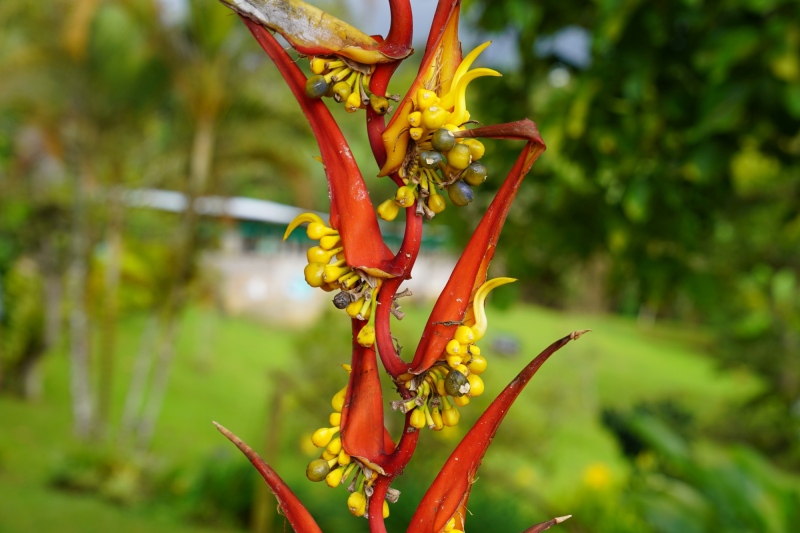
(260, 275)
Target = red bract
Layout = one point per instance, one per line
(446, 363)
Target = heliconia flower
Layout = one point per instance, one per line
(426, 146)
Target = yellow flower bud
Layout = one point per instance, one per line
(357, 504)
(476, 148)
(464, 335)
(385, 509)
(329, 242)
(317, 254)
(426, 99)
(459, 157)
(328, 456)
(323, 436)
(450, 417)
(453, 348)
(461, 401)
(434, 118)
(334, 478)
(436, 203)
(337, 402)
(353, 308)
(366, 337)
(477, 365)
(388, 210)
(450, 525)
(417, 419)
(353, 102)
(437, 419)
(317, 230)
(318, 65)
(453, 360)
(335, 419)
(315, 274)
(440, 387)
(405, 196)
(475, 385)
(415, 119)
(416, 133)
(333, 272)
(474, 350)
(334, 446)
(343, 458)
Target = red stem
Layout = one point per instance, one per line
(404, 451)
(391, 360)
(375, 511)
(398, 41)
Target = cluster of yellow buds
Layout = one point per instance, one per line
(435, 157)
(455, 378)
(347, 82)
(328, 270)
(335, 466)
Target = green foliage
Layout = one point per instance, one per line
(672, 177)
(681, 485)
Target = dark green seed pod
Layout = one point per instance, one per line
(379, 104)
(460, 193)
(316, 86)
(475, 173)
(443, 140)
(341, 300)
(430, 159)
(455, 384)
(318, 469)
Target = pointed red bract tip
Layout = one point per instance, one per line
(295, 512)
(450, 489)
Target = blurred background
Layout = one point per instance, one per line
(665, 216)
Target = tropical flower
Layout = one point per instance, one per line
(427, 147)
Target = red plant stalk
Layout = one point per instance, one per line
(424, 148)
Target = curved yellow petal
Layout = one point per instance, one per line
(459, 114)
(458, 92)
(478, 305)
(299, 219)
(467, 62)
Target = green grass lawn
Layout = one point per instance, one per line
(222, 372)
